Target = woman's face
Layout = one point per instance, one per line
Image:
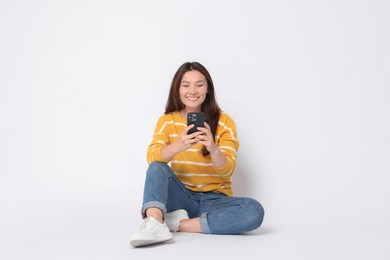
(193, 90)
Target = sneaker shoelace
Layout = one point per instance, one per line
(147, 225)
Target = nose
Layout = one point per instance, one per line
(193, 89)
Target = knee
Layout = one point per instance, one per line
(158, 168)
(256, 213)
(155, 166)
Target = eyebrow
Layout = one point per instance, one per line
(199, 81)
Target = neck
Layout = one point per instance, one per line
(186, 110)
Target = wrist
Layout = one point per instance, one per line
(215, 151)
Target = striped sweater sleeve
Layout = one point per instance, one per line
(227, 142)
(160, 139)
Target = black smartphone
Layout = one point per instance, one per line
(196, 118)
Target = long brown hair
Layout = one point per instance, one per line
(209, 106)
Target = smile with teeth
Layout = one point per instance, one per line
(192, 98)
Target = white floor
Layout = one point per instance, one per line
(65, 231)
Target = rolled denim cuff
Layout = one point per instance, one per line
(153, 204)
(204, 225)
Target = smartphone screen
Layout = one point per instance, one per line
(196, 118)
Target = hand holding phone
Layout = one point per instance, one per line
(196, 118)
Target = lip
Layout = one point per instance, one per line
(192, 98)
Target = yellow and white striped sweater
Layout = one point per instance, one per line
(191, 167)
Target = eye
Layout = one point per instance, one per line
(200, 85)
(185, 85)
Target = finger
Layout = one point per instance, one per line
(194, 137)
(191, 141)
(204, 138)
(203, 130)
(203, 143)
(195, 134)
(200, 138)
(185, 131)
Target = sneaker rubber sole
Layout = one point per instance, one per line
(138, 241)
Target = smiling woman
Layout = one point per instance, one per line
(194, 193)
(193, 91)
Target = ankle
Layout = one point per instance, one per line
(183, 221)
(156, 213)
(190, 225)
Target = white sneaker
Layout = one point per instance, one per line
(152, 232)
(172, 219)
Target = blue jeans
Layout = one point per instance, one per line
(218, 213)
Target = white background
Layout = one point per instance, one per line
(82, 84)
